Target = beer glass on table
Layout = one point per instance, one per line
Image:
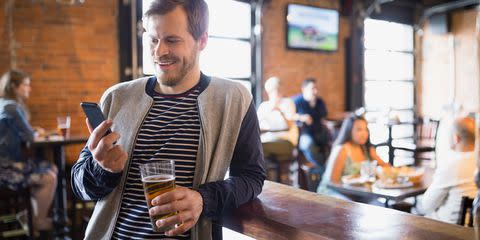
(158, 177)
(63, 126)
(368, 170)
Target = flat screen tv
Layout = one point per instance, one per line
(311, 28)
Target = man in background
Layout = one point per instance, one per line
(454, 178)
(314, 135)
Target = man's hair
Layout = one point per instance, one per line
(272, 83)
(465, 129)
(9, 82)
(308, 81)
(196, 10)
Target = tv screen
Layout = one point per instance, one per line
(312, 28)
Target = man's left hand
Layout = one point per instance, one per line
(188, 203)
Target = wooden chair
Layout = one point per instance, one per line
(280, 161)
(12, 203)
(425, 138)
(466, 212)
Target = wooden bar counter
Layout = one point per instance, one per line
(283, 212)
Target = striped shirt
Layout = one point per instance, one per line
(170, 130)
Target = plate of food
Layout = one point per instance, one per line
(413, 174)
(354, 179)
(392, 184)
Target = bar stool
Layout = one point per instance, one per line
(12, 203)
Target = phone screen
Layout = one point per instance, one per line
(94, 114)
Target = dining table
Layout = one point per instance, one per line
(57, 144)
(284, 212)
(372, 190)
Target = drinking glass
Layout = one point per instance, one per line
(63, 126)
(158, 177)
(368, 170)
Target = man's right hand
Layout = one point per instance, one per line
(111, 157)
(306, 119)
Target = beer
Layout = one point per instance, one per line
(63, 126)
(156, 185)
(64, 130)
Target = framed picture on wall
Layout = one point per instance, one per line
(311, 28)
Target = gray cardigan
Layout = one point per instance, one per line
(223, 106)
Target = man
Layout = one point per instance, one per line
(314, 136)
(454, 178)
(205, 124)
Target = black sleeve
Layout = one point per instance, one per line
(89, 180)
(247, 173)
(323, 109)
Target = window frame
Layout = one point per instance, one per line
(411, 81)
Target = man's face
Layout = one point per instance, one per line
(174, 51)
(310, 91)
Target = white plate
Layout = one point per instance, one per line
(381, 184)
(351, 180)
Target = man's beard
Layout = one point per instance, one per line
(188, 63)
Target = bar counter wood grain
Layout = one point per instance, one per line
(283, 212)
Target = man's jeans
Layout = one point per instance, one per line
(312, 153)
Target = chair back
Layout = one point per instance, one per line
(466, 212)
(426, 129)
(11, 145)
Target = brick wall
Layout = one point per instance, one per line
(4, 32)
(71, 53)
(444, 66)
(293, 66)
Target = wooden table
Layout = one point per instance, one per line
(60, 207)
(283, 212)
(370, 191)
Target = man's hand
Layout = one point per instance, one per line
(188, 203)
(306, 119)
(110, 157)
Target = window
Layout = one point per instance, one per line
(229, 50)
(389, 83)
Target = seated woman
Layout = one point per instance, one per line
(454, 178)
(350, 149)
(16, 169)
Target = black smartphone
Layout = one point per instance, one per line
(94, 114)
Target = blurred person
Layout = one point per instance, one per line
(207, 125)
(454, 178)
(314, 135)
(279, 132)
(275, 117)
(350, 149)
(17, 170)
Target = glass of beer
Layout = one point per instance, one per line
(158, 177)
(63, 126)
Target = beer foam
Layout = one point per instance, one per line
(158, 178)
